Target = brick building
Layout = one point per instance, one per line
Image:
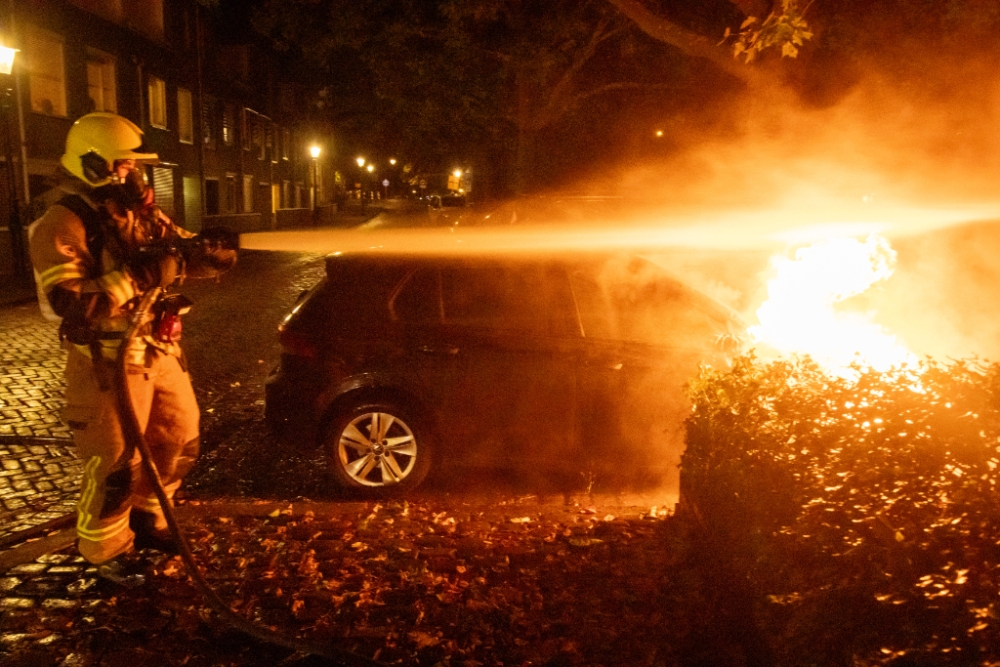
(225, 118)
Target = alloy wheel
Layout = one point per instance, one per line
(377, 449)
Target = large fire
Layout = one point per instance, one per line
(801, 314)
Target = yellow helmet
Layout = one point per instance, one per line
(98, 139)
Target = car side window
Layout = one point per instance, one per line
(656, 311)
(418, 298)
(594, 308)
(505, 298)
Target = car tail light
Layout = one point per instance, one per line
(295, 344)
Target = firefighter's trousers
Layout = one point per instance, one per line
(113, 480)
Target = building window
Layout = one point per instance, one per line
(146, 17)
(272, 140)
(248, 193)
(101, 81)
(46, 72)
(228, 125)
(157, 102)
(231, 202)
(211, 196)
(259, 129)
(185, 123)
(246, 129)
(208, 107)
(187, 29)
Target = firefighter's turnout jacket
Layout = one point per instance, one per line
(80, 250)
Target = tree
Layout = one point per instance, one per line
(451, 80)
(453, 76)
(885, 33)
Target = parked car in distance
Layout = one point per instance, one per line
(397, 364)
(445, 209)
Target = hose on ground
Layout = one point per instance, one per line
(133, 435)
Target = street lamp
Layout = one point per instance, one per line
(7, 59)
(361, 162)
(314, 152)
(14, 226)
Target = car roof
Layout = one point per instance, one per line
(588, 263)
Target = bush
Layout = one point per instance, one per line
(862, 514)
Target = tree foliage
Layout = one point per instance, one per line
(491, 82)
(452, 79)
(862, 512)
(785, 31)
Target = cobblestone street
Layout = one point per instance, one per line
(39, 475)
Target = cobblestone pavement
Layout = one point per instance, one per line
(38, 471)
(31, 369)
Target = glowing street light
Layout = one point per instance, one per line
(457, 173)
(659, 133)
(7, 59)
(314, 151)
(392, 161)
(361, 162)
(370, 168)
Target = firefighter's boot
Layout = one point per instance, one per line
(127, 570)
(148, 536)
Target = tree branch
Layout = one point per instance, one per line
(687, 41)
(560, 91)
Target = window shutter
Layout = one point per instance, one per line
(163, 186)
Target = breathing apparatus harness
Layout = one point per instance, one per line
(133, 435)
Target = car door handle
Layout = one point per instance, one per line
(430, 349)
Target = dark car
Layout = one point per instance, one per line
(398, 364)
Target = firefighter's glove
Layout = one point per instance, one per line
(214, 253)
(157, 268)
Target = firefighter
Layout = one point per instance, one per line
(95, 252)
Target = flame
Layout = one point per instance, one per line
(800, 315)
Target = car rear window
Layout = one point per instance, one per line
(354, 297)
(418, 298)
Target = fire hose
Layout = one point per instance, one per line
(134, 436)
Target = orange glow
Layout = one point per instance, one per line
(801, 314)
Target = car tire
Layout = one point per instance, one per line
(396, 459)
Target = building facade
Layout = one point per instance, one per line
(227, 123)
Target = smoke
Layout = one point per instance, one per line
(912, 158)
(912, 152)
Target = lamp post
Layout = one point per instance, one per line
(361, 181)
(7, 55)
(314, 152)
(371, 173)
(392, 177)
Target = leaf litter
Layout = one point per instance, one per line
(411, 583)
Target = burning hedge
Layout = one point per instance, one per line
(860, 515)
